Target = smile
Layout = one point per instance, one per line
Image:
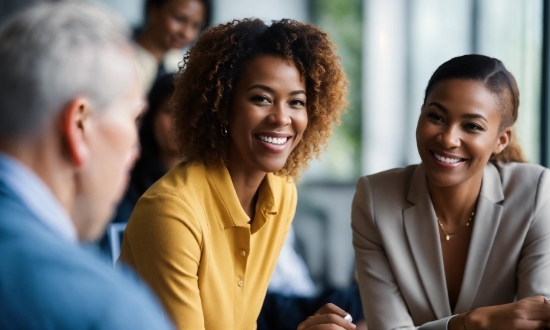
(273, 140)
(447, 160)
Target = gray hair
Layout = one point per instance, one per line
(51, 53)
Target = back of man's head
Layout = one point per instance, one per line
(69, 97)
(51, 53)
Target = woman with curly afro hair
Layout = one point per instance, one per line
(253, 104)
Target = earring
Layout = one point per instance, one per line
(224, 130)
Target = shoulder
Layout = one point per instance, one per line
(389, 183)
(510, 172)
(62, 284)
(184, 175)
(521, 178)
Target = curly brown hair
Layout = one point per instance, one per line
(212, 67)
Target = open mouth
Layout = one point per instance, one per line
(448, 160)
(273, 140)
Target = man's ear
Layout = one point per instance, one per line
(503, 140)
(75, 125)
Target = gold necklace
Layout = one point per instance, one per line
(448, 236)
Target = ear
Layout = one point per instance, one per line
(75, 123)
(503, 140)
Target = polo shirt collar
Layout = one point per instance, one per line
(235, 216)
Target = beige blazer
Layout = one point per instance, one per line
(398, 254)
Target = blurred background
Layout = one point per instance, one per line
(389, 49)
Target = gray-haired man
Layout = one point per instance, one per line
(69, 98)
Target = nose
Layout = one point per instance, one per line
(449, 137)
(279, 115)
(188, 32)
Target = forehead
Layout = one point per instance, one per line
(272, 69)
(184, 5)
(119, 76)
(464, 95)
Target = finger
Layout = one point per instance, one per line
(326, 321)
(331, 308)
(530, 324)
(535, 299)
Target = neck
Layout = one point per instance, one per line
(246, 186)
(169, 160)
(454, 205)
(147, 41)
(41, 155)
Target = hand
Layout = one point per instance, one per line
(527, 313)
(328, 317)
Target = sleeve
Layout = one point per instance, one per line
(154, 245)
(383, 304)
(534, 262)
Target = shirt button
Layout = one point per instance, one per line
(243, 253)
(241, 283)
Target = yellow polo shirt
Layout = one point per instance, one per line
(190, 240)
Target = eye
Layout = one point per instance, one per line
(297, 103)
(434, 116)
(260, 99)
(180, 19)
(474, 127)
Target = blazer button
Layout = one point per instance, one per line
(243, 253)
(241, 283)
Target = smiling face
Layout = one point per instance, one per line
(177, 22)
(267, 115)
(458, 130)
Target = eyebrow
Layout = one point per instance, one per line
(271, 90)
(468, 115)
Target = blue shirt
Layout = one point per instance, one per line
(36, 196)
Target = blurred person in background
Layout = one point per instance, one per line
(461, 240)
(253, 104)
(69, 98)
(170, 25)
(158, 152)
(157, 156)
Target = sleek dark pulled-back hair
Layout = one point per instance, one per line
(159, 3)
(212, 68)
(498, 80)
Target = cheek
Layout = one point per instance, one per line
(173, 26)
(301, 122)
(424, 131)
(124, 144)
(163, 129)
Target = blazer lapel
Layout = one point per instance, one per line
(423, 237)
(486, 222)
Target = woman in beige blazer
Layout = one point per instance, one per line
(462, 240)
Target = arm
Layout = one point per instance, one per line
(534, 263)
(533, 268)
(163, 240)
(383, 305)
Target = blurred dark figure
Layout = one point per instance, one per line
(158, 154)
(170, 26)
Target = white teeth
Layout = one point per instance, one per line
(447, 160)
(272, 140)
